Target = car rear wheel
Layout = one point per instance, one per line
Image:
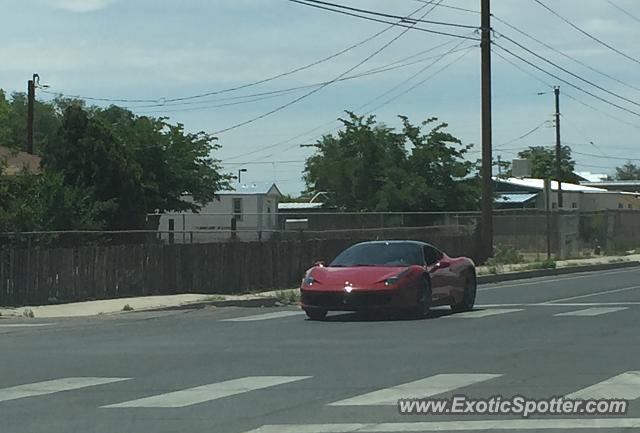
(423, 303)
(316, 313)
(469, 297)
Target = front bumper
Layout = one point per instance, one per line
(357, 299)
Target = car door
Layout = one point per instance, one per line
(439, 272)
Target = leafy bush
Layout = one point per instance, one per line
(505, 255)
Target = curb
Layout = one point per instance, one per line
(510, 276)
(254, 303)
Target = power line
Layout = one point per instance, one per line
(400, 24)
(593, 155)
(451, 7)
(555, 50)
(395, 97)
(624, 11)
(380, 14)
(525, 135)
(282, 92)
(163, 101)
(567, 82)
(612, 48)
(568, 72)
(326, 124)
(604, 113)
(521, 69)
(298, 99)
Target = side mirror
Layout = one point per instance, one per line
(319, 263)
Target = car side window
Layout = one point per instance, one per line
(431, 255)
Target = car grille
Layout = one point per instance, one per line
(352, 300)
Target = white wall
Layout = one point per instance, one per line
(255, 218)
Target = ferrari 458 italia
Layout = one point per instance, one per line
(405, 276)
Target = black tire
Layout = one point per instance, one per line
(423, 303)
(469, 297)
(316, 313)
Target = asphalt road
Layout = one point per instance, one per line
(235, 370)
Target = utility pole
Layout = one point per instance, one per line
(556, 91)
(31, 97)
(487, 162)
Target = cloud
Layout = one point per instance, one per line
(80, 5)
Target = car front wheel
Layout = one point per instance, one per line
(469, 297)
(316, 313)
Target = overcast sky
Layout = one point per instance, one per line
(161, 49)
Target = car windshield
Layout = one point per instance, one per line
(379, 254)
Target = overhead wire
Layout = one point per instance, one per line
(589, 35)
(557, 51)
(386, 15)
(567, 82)
(239, 87)
(313, 91)
(333, 121)
(624, 11)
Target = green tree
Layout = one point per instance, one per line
(368, 166)
(13, 122)
(543, 161)
(628, 171)
(42, 202)
(139, 164)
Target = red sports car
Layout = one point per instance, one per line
(397, 275)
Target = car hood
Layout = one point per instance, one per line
(356, 276)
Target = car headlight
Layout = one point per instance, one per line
(394, 280)
(308, 280)
(391, 281)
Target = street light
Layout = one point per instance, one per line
(242, 170)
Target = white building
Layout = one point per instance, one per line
(529, 193)
(254, 208)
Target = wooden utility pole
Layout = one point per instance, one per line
(31, 96)
(487, 160)
(556, 91)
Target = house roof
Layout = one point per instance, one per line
(16, 161)
(590, 177)
(299, 206)
(515, 198)
(253, 189)
(538, 184)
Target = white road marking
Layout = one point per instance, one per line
(483, 313)
(588, 295)
(422, 388)
(555, 280)
(214, 391)
(568, 304)
(624, 386)
(437, 426)
(24, 325)
(53, 386)
(265, 316)
(593, 311)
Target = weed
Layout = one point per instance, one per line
(127, 307)
(28, 312)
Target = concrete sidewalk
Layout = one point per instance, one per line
(114, 306)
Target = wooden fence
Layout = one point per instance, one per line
(41, 275)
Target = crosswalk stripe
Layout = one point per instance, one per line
(265, 316)
(435, 426)
(484, 313)
(214, 391)
(623, 386)
(594, 311)
(438, 384)
(53, 386)
(24, 325)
